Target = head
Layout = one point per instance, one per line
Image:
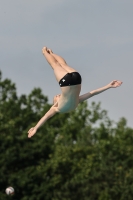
(56, 98)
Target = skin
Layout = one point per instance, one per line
(69, 98)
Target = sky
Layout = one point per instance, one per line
(94, 36)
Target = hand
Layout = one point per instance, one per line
(115, 84)
(31, 132)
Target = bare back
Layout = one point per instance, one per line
(69, 98)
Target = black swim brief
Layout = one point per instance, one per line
(69, 79)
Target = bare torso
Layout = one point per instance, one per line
(69, 98)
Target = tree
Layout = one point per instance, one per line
(78, 155)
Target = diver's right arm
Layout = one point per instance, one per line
(88, 95)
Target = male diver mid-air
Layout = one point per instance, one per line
(70, 83)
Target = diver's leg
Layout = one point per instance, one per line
(59, 71)
(62, 62)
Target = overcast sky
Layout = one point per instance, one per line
(94, 36)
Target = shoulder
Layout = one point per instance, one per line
(54, 108)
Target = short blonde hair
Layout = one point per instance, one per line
(55, 97)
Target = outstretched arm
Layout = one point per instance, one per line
(88, 95)
(49, 114)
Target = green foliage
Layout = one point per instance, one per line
(77, 155)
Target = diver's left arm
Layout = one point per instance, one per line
(88, 95)
(52, 111)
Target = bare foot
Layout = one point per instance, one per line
(49, 51)
(44, 49)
